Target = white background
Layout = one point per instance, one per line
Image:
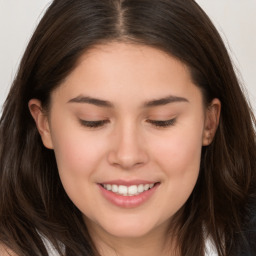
(235, 19)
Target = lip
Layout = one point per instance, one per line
(128, 201)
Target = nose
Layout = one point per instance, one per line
(128, 150)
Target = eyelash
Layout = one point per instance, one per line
(94, 124)
(162, 123)
(156, 123)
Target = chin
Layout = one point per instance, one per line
(129, 228)
(127, 233)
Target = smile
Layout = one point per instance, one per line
(128, 195)
(132, 190)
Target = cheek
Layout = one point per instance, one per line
(77, 159)
(179, 158)
(77, 156)
(186, 154)
(180, 153)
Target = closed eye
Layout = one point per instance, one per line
(93, 124)
(101, 123)
(162, 123)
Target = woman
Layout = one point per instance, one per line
(126, 133)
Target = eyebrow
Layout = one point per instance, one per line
(90, 100)
(147, 104)
(164, 101)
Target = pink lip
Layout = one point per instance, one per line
(128, 201)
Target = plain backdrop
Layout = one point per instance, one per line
(235, 20)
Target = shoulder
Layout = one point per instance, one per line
(51, 250)
(245, 244)
(250, 225)
(5, 251)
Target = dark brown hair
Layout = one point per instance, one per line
(32, 200)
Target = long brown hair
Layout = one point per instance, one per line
(33, 202)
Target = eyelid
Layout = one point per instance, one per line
(93, 124)
(101, 123)
(162, 123)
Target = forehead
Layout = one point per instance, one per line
(116, 56)
(117, 70)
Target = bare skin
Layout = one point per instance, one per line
(128, 112)
(5, 251)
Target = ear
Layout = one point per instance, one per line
(42, 122)
(212, 117)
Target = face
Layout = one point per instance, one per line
(127, 127)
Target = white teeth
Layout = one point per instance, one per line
(115, 188)
(146, 187)
(128, 191)
(122, 190)
(132, 190)
(141, 188)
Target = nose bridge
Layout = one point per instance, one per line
(127, 150)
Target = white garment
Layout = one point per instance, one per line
(50, 248)
(210, 249)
